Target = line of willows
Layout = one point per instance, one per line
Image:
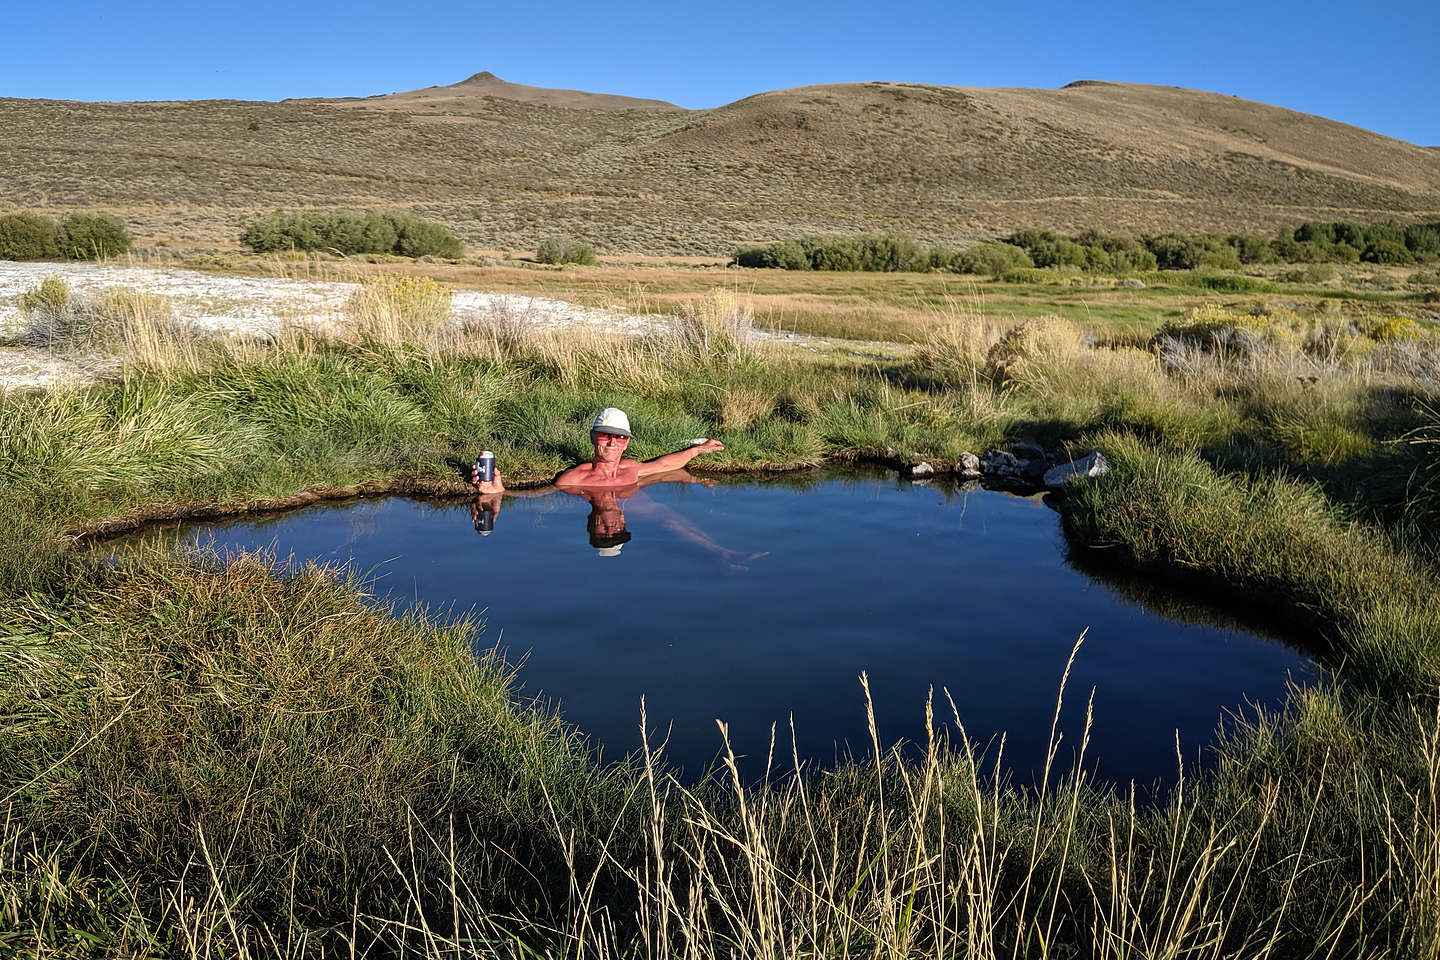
(1092, 251)
(350, 232)
(80, 236)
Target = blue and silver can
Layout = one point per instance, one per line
(485, 466)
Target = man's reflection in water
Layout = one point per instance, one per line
(606, 523)
(607, 526)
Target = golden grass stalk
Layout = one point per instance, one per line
(954, 347)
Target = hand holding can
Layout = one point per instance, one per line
(485, 467)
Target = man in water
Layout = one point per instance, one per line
(607, 479)
(610, 434)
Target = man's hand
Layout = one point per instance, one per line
(494, 486)
(674, 461)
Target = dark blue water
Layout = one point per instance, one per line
(921, 587)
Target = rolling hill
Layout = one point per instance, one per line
(506, 164)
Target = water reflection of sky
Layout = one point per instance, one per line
(921, 587)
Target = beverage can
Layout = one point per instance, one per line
(485, 467)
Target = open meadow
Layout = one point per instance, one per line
(218, 760)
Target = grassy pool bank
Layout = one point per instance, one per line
(201, 761)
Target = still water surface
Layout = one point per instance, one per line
(758, 600)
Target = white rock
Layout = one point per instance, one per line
(1090, 465)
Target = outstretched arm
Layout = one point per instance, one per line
(665, 463)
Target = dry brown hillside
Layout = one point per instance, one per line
(506, 165)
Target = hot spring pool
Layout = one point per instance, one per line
(761, 600)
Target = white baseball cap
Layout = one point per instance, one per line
(612, 420)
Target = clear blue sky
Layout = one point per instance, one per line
(1380, 71)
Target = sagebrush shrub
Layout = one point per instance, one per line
(50, 296)
(558, 250)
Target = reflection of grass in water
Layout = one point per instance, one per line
(1182, 600)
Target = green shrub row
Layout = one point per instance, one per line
(1089, 251)
(80, 236)
(346, 232)
(1233, 283)
(879, 252)
(1094, 252)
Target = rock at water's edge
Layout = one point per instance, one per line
(1090, 465)
(1002, 463)
(967, 466)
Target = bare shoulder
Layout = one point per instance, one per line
(583, 475)
(576, 476)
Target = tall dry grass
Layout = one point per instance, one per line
(1031, 353)
(954, 347)
(714, 327)
(138, 326)
(891, 857)
(1375, 348)
(394, 309)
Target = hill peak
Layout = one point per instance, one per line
(486, 84)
